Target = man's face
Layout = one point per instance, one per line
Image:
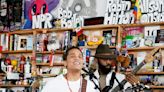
(105, 65)
(105, 62)
(74, 60)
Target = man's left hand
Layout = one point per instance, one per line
(131, 78)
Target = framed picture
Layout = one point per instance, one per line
(22, 42)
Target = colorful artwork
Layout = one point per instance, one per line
(137, 11)
(37, 7)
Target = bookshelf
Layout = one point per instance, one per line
(156, 87)
(11, 85)
(143, 48)
(48, 52)
(144, 24)
(16, 52)
(47, 64)
(94, 47)
(150, 73)
(118, 28)
(2, 74)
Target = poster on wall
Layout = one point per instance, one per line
(81, 7)
(40, 11)
(134, 11)
(119, 12)
(43, 13)
(10, 14)
(151, 10)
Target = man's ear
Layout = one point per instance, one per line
(95, 60)
(94, 64)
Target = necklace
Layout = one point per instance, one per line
(70, 87)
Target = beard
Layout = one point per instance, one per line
(104, 69)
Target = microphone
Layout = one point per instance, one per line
(91, 74)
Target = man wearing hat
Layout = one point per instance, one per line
(105, 66)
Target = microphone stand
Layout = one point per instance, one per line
(111, 82)
(91, 76)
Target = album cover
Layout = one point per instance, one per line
(22, 43)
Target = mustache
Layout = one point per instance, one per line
(108, 66)
(105, 69)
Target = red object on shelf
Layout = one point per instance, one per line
(22, 62)
(8, 61)
(1, 48)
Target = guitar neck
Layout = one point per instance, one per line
(117, 88)
(137, 68)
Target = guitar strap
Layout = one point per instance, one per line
(84, 85)
(113, 77)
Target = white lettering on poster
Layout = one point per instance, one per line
(118, 12)
(42, 21)
(68, 19)
(152, 11)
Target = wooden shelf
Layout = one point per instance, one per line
(2, 74)
(47, 64)
(30, 31)
(48, 52)
(143, 48)
(60, 29)
(150, 73)
(10, 85)
(47, 75)
(1, 32)
(96, 27)
(156, 87)
(94, 47)
(143, 24)
(18, 51)
(53, 30)
(25, 32)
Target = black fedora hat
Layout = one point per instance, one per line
(104, 52)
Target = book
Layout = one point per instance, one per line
(29, 42)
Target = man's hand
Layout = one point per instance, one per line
(150, 56)
(131, 78)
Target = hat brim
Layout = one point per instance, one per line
(113, 57)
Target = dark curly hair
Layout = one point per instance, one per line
(69, 49)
